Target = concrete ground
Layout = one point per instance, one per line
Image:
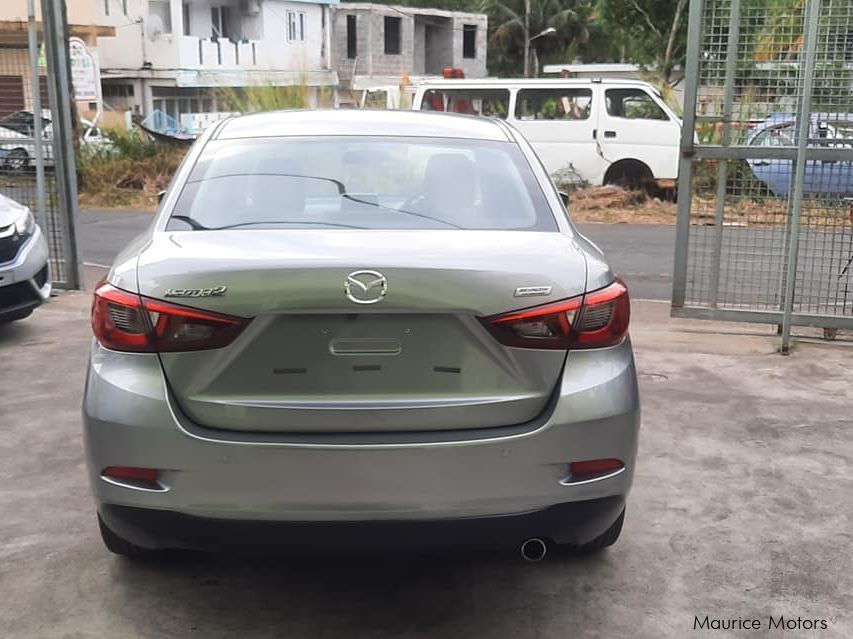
(741, 508)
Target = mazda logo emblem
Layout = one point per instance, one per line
(365, 287)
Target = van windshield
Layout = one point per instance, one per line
(362, 182)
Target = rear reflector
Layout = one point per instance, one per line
(594, 320)
(592, 468)
(124, 321)
(148, 475)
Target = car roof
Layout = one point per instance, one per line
(532, 83)
(361, 122)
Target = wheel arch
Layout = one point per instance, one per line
(629, 170)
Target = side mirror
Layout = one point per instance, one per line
(160, 196)
(565, 198)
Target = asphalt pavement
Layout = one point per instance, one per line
(640, 253)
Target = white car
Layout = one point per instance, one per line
(17, 144)
(594, 131)
(24, 273)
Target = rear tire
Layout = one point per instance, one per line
(604, 540)
(120, 546)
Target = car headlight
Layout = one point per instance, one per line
(26, 223)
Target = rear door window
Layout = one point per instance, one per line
(553, 104)
(490, 103)
(633, 104)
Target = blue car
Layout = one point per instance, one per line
(822, 178)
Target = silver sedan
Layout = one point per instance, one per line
(349, 328)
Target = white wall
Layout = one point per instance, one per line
(278, 53)
(130, 49)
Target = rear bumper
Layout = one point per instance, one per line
(561, 523)
(459, 476)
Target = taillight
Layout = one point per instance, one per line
(124, 321)
(594, 320)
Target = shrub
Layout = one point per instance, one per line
(130, 171)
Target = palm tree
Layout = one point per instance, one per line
(517, 21)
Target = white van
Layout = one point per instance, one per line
(598, 131)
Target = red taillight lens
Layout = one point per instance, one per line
(594, 468)
(604, 318)
(132, 473)
(594, 320)
(125, 321)
(118, 320)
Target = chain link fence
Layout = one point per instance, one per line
(32, 170)
(765, 229)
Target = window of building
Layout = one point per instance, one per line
(295, 26)
(352, 38)
(220, 18)
(553, 104)
(633, 104)
(112, 90)
(392, 35)
(469, 40)
(159, 10)
(185, 9)
(106, 7)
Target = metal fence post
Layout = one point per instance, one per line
(59, 91)
(803, 125)
(38, 129)
(685, 169)
(725, 140)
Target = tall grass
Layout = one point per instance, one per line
(130, 171)
(271, 98)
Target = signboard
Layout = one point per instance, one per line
(85, 75)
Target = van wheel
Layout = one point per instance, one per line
(631, 175)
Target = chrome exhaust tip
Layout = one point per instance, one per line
(534, 549)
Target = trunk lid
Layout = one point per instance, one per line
(312, 360)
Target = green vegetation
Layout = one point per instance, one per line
(270, 98)
(130, 171)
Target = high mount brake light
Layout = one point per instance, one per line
(594, 320)
(124, 321)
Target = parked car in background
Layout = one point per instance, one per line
(17, 145)
(605, 131)
(350, 327)
(822, 178)
(24, 277)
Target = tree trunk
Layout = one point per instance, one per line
(670, 43)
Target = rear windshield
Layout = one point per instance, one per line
(361, 182)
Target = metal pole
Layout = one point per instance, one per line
(803, 122)
(685, 169)
(38, 129)
(59, 90)
(526, 38)
(722, 169)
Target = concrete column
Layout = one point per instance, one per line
(176, 10)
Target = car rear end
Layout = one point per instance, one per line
(371, 367)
